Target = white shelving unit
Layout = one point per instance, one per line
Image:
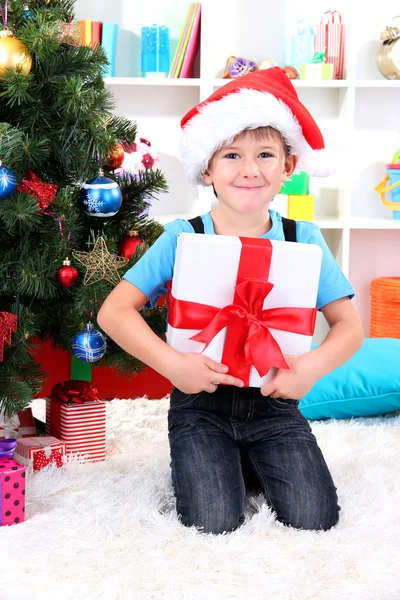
(359, 116)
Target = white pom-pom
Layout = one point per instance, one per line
(317, 163)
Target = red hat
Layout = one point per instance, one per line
(259, 99)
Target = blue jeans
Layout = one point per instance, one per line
(236, 440)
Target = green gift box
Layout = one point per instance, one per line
(316, 71)
(297, 185)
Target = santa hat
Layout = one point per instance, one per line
(259, 99)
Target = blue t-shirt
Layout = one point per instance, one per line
(155, 269)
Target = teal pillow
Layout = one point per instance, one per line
(367, 384)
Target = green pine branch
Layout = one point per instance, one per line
(58, 121)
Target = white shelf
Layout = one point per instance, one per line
(163, 219)
(334, 83)
(162, 81)
(298, 83)
(371, 223)
(378, 83)
(329, 223)
(171, 82)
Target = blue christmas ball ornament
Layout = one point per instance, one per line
(101, 196)
(8, 182)
(89, 344)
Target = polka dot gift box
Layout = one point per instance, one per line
(38, 452)
(12, 492)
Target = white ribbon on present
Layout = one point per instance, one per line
(9, 426)
(46, 448)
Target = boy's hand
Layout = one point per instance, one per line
(293, 383)
(192, 373)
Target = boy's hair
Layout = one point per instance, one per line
(262, 133)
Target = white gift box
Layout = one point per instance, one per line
(206, 271)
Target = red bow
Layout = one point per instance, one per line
(249, 340)
(43, 192)
(74, 391)
(40, 460)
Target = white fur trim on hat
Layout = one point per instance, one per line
(218, 122)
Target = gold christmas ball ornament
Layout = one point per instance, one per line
(13, 53)
(267, 63)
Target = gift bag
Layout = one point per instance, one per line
(301, 45)
(329, 38)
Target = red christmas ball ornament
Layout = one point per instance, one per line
(291, 72)
(128, 244)
(67, 275)
(116, 157)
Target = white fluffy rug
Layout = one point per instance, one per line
(109, 531)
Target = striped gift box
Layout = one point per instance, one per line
(82, 427)
(39, 451)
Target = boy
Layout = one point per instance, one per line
(245, 140)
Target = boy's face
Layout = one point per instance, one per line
(248, 173)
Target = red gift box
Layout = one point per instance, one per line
(75, 416)
(22, 424)
(39, 452)
(12, 492)
(26, 423)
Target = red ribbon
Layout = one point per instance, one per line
(249, 340)
(71, 392)
(74, 391)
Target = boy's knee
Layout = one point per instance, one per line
(315, 523)
(320, 519)
(212, 522)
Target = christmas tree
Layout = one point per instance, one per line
(57, 131)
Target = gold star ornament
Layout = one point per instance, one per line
(100, 264)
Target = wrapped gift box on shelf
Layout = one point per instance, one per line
(296, 185)
(37, 452)
(317, 71)
(12, 492)
(301, 208)
(75, 416)
(244, 302)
